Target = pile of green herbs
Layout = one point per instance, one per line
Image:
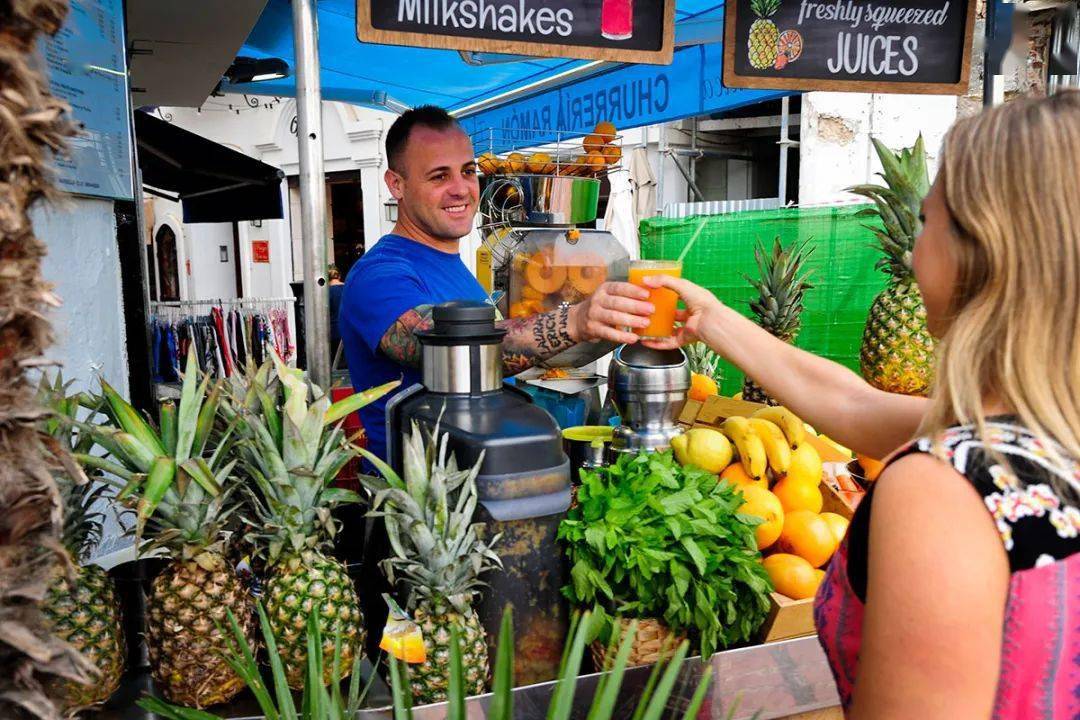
(652, 539)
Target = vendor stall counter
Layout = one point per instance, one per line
(775, 680)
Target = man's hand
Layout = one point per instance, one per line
(604, 314)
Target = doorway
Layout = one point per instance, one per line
(166, 265)
(344, 221)
(347, 219)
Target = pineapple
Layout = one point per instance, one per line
(438, 556)
(292, 453)
(781, 286)
(181, 494)
(762, 42)
(81, 606)
(897, 353)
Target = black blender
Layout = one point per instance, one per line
(524, 481)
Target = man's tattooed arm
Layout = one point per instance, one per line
(400, 343)
(528, 341)
(532, 339)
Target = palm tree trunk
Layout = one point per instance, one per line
(33, 124)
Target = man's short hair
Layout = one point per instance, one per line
(429, 116)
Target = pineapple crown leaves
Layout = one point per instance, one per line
(437, 550)
(896, 204)
(292, 447)
(703, 360)
(764, 8)
(781, 287)
(174, 475)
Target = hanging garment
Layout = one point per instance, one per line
(620, 219)
(224, 356)
(644, 184)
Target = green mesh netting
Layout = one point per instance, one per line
(845, 281)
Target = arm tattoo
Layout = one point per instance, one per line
(528, 341)
(400, 343)
(533, 339)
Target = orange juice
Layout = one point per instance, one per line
(664, 300)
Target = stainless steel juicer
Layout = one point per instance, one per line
(648, 388)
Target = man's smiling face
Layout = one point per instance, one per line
(437, 187)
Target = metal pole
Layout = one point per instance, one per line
(663, 166)
(989, 79)
(312, 191)
(785, 107)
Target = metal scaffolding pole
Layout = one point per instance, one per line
(312, 191)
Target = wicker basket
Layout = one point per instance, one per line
(653, 641)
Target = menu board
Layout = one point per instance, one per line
(88, 70)
(901, 46)
(640, 31)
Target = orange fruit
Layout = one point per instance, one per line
(807, 535)
(594, 143)
(820, 575)
(797, 495)
(540, 163)
(595, 162)
(515, 162)
(606, 130)
(763, 504)
(525, 308)
(612, 154)
(837, 523)
(870, 466)
(791, 575)
(736, 474)
(488, 163)
(543, 275)
(702, 387)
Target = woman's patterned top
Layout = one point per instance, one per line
(1039, 524)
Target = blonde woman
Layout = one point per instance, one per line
(957, 591)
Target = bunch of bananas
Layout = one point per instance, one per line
(770, 439)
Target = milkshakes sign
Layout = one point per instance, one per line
(896, 46)
(640, 31)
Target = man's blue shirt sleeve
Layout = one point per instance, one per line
(377, 297)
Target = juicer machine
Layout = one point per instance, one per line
(536, 256)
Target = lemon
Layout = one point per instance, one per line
(706, 448)
(805, 465)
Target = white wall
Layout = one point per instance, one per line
(210, 278)
(352, 140)
(835, 149)
(84, 267)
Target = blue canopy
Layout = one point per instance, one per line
(394, 77)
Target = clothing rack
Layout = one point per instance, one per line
(222, 332)
(223, 302)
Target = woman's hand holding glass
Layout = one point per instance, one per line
(699, 320)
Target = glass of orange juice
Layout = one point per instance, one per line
(662, 323)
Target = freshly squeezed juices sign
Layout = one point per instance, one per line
(637, 31)
(896, 46)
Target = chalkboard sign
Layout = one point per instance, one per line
(638, 31)
(894, 46)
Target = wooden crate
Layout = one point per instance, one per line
(787, 618)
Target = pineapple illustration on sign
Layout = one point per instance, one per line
(764, 34)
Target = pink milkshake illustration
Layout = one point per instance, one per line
(617, 19)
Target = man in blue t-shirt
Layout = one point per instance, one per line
(390, 292)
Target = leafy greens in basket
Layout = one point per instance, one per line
(650, 538)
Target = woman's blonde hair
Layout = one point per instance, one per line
(1010, 184)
